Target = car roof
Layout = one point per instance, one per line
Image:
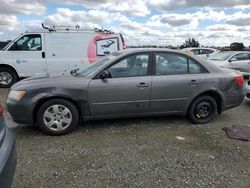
(134, 50)
(194, 48)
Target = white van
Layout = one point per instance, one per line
(56, 50)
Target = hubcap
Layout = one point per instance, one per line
(203, 110)
(5, 78)
(57, 117)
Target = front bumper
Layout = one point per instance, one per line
(20, 111)
(8, 159)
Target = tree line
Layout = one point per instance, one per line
(191, 42)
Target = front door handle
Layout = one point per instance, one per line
(142, 84)
(43, 54)
(193, 82)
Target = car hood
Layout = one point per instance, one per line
(39, 82)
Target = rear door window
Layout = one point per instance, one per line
(171, 64)
(175, 64)
(194, 68)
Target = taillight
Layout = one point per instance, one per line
(239, 80)
(1, 110)
(123, 45)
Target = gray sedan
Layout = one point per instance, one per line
(130, 83)
(7, 153)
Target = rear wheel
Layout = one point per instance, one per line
(57, 117)
(203, 109)
(7, 77)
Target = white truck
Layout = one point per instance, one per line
(55, 50)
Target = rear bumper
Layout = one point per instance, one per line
(232, 101)
(8, 159)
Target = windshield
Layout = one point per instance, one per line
(222, 56)
(92, 68)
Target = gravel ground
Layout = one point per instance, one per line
(141, 152)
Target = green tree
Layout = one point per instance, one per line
(191, 42)
(236, 46)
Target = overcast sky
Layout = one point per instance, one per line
(161, 22)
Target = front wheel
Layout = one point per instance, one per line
(57, 117)
(203, 109)
(7, 77)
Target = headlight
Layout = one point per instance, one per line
(16, 95)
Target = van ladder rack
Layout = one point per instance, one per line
(76, 28)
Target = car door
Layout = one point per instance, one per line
(126, 92)
(177, 79)
(27, 54)
(240, 62)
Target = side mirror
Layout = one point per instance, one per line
(105, 74)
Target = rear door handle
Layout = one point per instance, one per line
(193, 82)
(142, 84)
(43, 54)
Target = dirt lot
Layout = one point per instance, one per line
(142, 152)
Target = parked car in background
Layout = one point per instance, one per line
(238, 60)
(129, 83)
(201, 52)
(8, 156)
(56, 50)
(247, 90)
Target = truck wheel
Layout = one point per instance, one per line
(203, 109)
(7, 77)
(57, 117)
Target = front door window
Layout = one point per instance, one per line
(132, 66)
(28, 43)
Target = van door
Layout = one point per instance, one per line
(27, 53)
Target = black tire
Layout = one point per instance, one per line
(7, 77)
(47, 108)
(203, 109)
